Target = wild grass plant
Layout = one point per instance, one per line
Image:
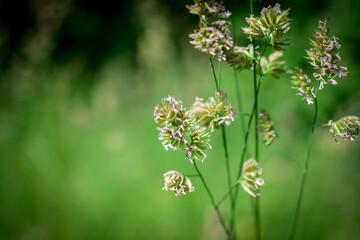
(189, 129)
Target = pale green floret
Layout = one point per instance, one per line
(302, 83)
(176, 123)
(200, 139)
(251, 178)
(215, 112)
(266, 127)
(180, 130)
(347, 128)
(175, 181)
(241, 58)
(272, 66)
(213, 36)
(270, 26)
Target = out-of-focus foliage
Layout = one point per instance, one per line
(79, 154)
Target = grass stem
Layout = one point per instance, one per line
(221, 218)
(227, 162)
(304, 175)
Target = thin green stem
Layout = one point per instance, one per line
(221, 218)
(214, 74)
(238, 98)
(219, 75)
(242, 158)
(227, 162)
(227, 194)
(256, 144)
(257, 208)
(251, 7)
(305, 172)
(228, 173)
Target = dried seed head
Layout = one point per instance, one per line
(175, 181)
(251, 179)
(347, 128)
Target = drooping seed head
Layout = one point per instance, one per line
(347, 128)
(251, 178)
(175, 181)
(266, 127)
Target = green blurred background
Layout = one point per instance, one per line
(79, 151)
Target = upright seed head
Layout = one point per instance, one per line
(215, 112)
(270, 26)
(324, 56)
(213, 36)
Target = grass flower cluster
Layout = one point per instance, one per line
(175, 123)
(180, 130)
(189, 130)
(251, 179)
(215, 112)
(270, 26)
(266, 127)
(324, 56)
(347, 128)
(213, 37)
(272, 66)
(302, 83)
(176, 182)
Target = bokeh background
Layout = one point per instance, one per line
(79, 151)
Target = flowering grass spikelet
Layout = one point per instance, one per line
(347, 128)
(324, 56)
(270, 26)
(251, 179)
(200, 139)
(266, 127)
(175, 181)
(175, 123)
(241, 58)
(301, 82)
(272, 66)
(213, 36)
(214, 113)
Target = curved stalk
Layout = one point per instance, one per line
(221, 218)
(303, 179)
